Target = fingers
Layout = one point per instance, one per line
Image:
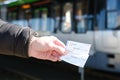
(55, 54)
(58, 42)
(49, 55)
(53, 58)
(52, 55)
(58, 46)
(60, 50)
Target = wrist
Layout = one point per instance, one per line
(33, 38)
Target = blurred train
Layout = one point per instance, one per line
(89, 21)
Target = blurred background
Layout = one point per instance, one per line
(96, 22)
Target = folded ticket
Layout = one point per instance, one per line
(78, 53)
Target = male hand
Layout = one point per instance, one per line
(46, 48)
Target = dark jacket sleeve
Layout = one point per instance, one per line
(14, 39)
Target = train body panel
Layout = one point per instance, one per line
(107, 41)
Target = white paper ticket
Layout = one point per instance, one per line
(78, 53)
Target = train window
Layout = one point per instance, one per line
(35, 21)
(118, 20)
(112, 20)
(43, 21)
(22, 18)
(118, 4)
(80, 22)
(56, 16)
(111, 4)
(44, 18)
(81, 17)
(100, 18)
(22, 22)
(9, 16)
(89, 23)
(12, 17)
(66, 24)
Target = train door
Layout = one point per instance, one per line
(108, 36)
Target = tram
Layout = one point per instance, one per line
(96, 22)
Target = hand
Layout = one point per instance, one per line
(46, 48)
